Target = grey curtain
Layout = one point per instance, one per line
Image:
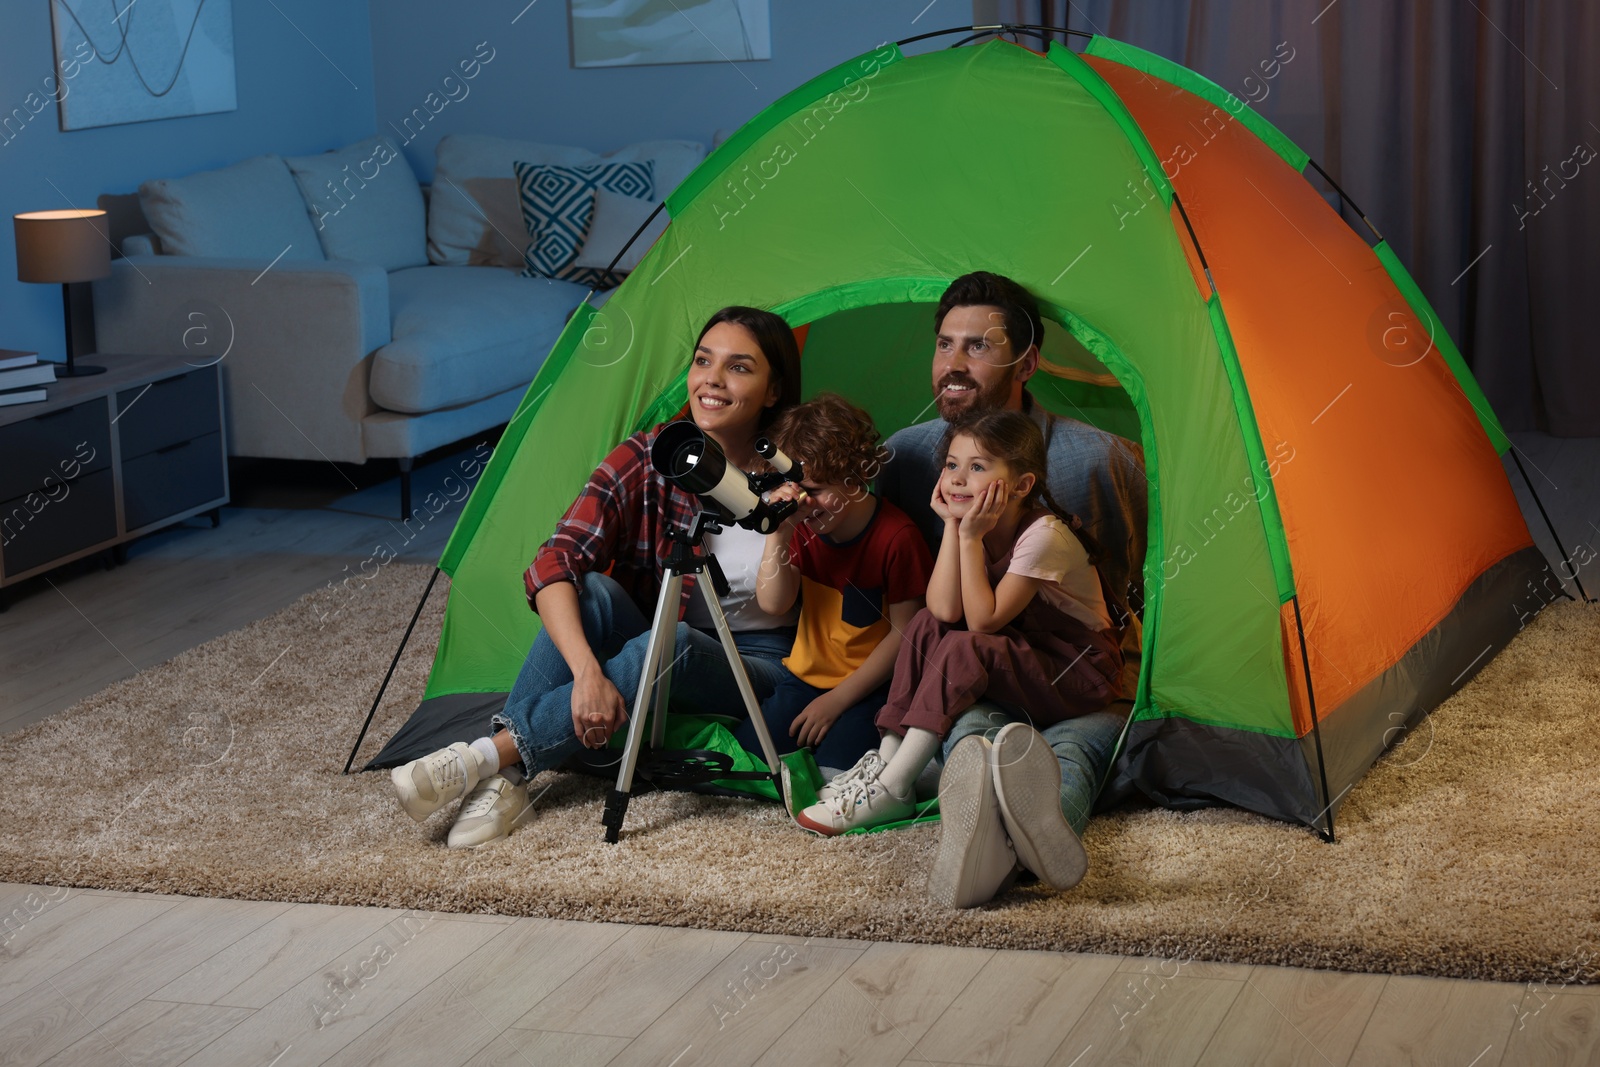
(1467, 130)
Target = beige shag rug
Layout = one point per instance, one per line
(1472, 850)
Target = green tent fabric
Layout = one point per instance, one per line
(847, 207)
(742, 229)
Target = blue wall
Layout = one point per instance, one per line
(291, 100)
(530, 91)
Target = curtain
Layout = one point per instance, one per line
(1467, 130)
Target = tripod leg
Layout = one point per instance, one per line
(663, 676)
(769, 751)
(663, 632)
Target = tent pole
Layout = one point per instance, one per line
(1566, 557)
(1316, 727)
(1194, 240)
(661, 206)
(1346, 198)
(993, 29)
(415, 615)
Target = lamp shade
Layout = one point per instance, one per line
(62, 246)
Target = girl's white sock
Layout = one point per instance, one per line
(484, 747)
(910, 756)
(888, 746)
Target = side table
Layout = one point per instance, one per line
(109, 458)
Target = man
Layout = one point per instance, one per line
(1009, 793)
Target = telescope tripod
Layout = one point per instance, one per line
(687, 556)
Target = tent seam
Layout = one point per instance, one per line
(1250, 430)
(1465, 379)
(1097, 87)
(1192, 81)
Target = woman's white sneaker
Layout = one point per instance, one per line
(494, 809)
(425, 785)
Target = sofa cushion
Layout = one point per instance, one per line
(558, 207)
(365, 203)
(616, 219)
(473, 213)
(464, 333)
(247, 211)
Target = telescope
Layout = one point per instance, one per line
(689, 459)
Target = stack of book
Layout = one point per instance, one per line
(23, 377)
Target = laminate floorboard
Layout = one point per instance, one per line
(98, 978)
(1428, 1023)
(1286, 1016)
(102, 977)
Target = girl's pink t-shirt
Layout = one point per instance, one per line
(1049, 551)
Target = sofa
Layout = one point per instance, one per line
(355, 314)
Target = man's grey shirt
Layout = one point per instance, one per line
(1096, 475)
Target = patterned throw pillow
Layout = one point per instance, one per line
(558, 206)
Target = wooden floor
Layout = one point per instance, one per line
(89, 977)
(108, 978)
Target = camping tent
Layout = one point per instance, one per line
(1333, 546)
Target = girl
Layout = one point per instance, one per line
(1016, 612)
(594, 585)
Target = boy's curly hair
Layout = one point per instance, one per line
(834, 440)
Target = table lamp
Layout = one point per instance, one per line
(65, 247)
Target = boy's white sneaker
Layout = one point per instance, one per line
(494, 809)
(860, 803)
(425, 785)
(974, 861)
(1027, 782)
(870, 765)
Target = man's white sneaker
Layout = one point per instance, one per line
(870, 765)
(1027, 782)
(860, 803)
(494, 809)
(425, 785)
(975, 861)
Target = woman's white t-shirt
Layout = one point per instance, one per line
(1051, 552)
(739, 552)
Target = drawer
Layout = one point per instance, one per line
(36, 529)
(171, 480)
(52, 447)
(170, 411)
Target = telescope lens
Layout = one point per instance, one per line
(688, 459)
(686, 468)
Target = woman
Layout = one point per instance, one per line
(579, 678)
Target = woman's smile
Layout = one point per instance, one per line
(730, 381)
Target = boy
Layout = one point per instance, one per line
(860, 567)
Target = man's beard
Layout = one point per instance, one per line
(978, 399)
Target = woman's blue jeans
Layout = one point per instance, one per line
(539, 710)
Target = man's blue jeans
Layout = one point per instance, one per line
(538, 711)
(1083, 746)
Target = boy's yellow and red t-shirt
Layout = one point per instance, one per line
(846, 589)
